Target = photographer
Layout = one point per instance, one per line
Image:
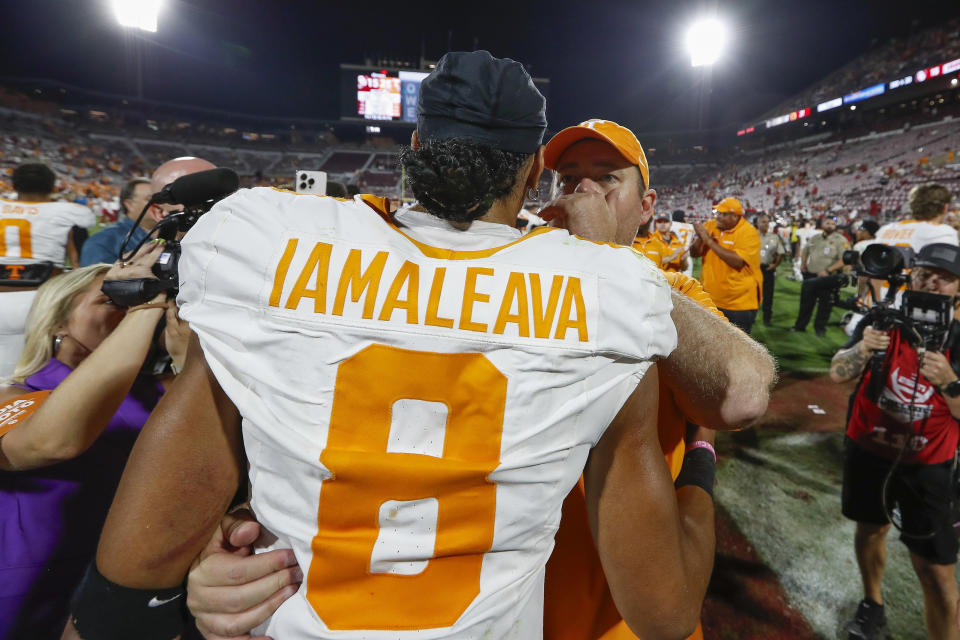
(60, 466)
(900, 445)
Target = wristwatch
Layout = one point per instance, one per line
(951, 389)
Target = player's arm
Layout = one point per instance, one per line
(656, 561)
(179, 480)
(721, 378)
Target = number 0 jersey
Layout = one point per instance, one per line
(32, 232)
(417, 401)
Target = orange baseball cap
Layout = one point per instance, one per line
(729, 205)
(621, 138)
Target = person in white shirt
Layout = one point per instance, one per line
(928, 205)
(685, 230)
(36, 238)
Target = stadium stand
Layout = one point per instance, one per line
(894, 58)
(870, 174)
(863, 164)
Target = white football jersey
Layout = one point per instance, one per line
(685, 231)
(32, 232)
(916, 234)
(688, 235)
(417, 401)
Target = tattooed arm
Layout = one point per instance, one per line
(849, 363)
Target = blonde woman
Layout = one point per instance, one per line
(60, 467)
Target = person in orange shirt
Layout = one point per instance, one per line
(677, 261)
(730, 247)
(650, 245)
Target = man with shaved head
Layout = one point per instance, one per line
(105, 246)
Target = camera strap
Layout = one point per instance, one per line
(887, 511)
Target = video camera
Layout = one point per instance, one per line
(923, 318)
(197, 192)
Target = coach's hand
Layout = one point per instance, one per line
(583, 213)
(229, 590)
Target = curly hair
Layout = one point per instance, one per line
(459, 180)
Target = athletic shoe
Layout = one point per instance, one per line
(870, 623)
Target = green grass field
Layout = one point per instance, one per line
(798, 352)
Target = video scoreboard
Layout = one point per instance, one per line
(379, 94)
(387, 95)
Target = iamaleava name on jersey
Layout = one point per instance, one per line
(517, 297)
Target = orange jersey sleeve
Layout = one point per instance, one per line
(692, 288)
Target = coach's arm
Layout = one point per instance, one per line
(721, 378)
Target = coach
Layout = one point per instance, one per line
(730, 247)
(900, 447)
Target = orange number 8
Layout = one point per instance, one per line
(341, 587)
(23, 228)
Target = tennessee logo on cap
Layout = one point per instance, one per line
(729, 205)
(621, 138)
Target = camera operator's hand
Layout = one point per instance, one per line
(875, 340)
(936, 368)
(176, 336)
(139, 266)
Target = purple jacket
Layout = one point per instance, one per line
(51, 517)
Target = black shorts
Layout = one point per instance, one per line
(922, 492)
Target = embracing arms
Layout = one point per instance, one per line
(652, 554)
(721, 378)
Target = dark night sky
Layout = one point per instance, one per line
(615, 59)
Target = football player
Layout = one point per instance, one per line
(36, 238)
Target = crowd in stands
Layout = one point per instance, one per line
(864, 176)
(893, 59)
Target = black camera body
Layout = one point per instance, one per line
(197, 192)
(923, 318)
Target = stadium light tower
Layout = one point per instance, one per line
(139, 14)
(706, 40)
